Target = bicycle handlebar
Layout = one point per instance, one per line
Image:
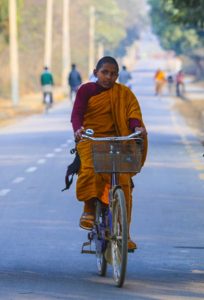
(89, 135)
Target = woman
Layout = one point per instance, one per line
(160, 81)
(110, 109)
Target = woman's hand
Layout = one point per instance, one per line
(142, 129)
(78, 134)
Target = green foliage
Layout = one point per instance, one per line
(168, 24)
(190, 12)
(118, 23)
(136, 19)
(110, 21)
(4, 17)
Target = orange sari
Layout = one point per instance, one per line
(108, 114)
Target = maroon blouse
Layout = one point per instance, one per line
(85, 92)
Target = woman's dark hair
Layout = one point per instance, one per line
(105, 60)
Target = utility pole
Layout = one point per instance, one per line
(48, 34)
(13, 40)
(65, 43)
(91, 40)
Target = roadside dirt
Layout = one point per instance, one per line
(193, 112)
(28, 105)
(192, 109)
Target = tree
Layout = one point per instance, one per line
(136, 20)
(190, 13)
(179, 25)
(174, 34)
(110, 19)
(4, 28)
(119, 23)
(4, 19)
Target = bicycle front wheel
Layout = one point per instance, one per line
(119, 241)
(100, 241)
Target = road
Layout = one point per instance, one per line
(40, 240)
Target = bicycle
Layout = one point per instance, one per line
(48, 100)
(113, 155)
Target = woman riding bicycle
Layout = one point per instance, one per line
(110, 109)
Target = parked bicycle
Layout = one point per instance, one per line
(109, 235)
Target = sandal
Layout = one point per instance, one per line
(87, 221)
(131, 245)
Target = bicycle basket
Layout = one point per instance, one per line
(117, 156)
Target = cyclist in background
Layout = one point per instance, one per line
(110, 109)
(47, 82)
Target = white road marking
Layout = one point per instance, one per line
(50, 155)
(18, 179)
(41, 161)
(198, 271)
(58, 150)
(63, 145)
(4, 192)
(31, 169)
(184, 251)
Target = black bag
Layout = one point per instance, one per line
(72, 169)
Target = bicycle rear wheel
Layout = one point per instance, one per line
(100, 240)
(119, 242)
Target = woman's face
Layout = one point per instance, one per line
(106, 75)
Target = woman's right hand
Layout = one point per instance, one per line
(78, 133)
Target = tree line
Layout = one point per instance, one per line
(180, 27)
(117, 24)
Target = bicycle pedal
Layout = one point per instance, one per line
(87, 251)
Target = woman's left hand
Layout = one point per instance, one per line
(143, 131)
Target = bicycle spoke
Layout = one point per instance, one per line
(119, 238)
(100, 241)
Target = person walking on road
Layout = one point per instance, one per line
(125, 77)
(170, 81)
(160, 80)
(47, 82)
(110, 109)
(180, 88)
(74, 81)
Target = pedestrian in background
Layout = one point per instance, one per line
(160, 81)
(74, 81)
(180, 88)
(170, 81)
(47, 82)
(125, 76)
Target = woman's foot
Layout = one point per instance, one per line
(87, 220)
(131, 245)
(88, 216)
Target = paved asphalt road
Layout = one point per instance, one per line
(40, 240)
